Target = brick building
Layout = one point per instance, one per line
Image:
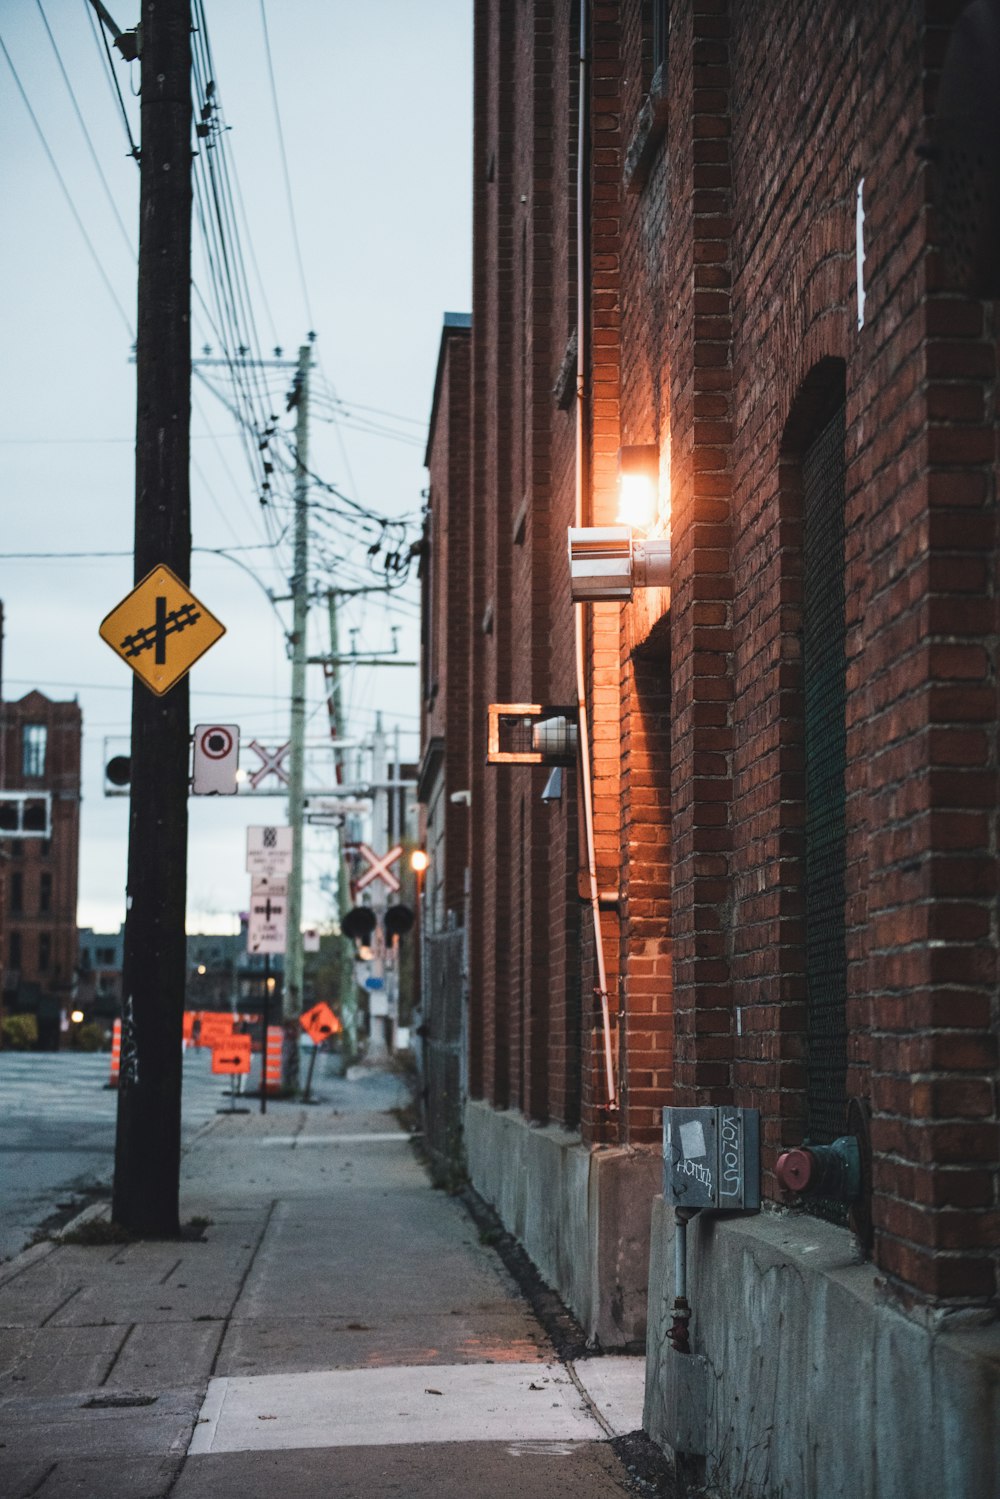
(767, 265)
(40, 759)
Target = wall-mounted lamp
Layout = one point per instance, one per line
(610, 562)
(638, 485)
(419, 861)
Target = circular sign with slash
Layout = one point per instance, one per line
(216, 742)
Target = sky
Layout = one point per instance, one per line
(367, 242)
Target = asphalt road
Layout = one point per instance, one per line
(57, 1131)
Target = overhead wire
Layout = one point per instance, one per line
(67, 194)
(130, 245)
(101, 37)
(284, 167)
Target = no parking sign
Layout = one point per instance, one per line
(216, 758)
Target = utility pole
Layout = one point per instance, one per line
(147, 1147)
(348, 981)
(378, 999)
(292, 1004)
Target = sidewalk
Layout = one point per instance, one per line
(336, 1328)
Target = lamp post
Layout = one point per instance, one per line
(419, 862)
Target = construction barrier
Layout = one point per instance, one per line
(272, 1059)
(116, 1054)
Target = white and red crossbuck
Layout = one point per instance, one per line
(380, 867)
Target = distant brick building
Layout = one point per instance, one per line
(40, 755)
(788, 301)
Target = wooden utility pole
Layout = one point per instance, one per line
(147, 1148)
(293, 1005)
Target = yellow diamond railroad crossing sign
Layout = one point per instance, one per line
(161, 629)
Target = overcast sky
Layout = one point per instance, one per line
(374, 103)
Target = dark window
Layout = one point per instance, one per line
(16, 892)
(45, 892)
(44, 951)
(15, 949)
(33, 738)
(824, 679)
(105, 955)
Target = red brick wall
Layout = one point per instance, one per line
(59, 860)
(721, 310)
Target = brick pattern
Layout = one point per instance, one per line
(722, 320)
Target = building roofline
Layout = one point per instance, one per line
(454, 324)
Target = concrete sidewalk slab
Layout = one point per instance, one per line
(393, 1407)
(327, 1263)
(456, 1470)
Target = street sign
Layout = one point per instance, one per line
(320, 1022)
(310, 939)
(232, 1055)
(272, 764)
(161, 629)
(269, 851)
(269, 884)
(380, 867)
(214, 1027)
(216, 759)
(268, 925)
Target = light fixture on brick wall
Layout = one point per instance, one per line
(610, 562)
(638, 485)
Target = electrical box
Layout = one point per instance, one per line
(711, 1158)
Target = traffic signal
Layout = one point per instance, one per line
(398, 920)
(118, 775)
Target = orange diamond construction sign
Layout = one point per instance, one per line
(161, 629)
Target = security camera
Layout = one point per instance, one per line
(610, 562)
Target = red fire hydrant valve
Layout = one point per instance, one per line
(794, 1170)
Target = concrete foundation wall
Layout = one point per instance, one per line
(581, 1214)
(804, 1382)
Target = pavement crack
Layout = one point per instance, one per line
(226, 1321)
(588, 1399)
(57, 1309)
(170, 1272)
(118, 1353)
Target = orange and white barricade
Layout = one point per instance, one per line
(272, 1059)
(116, 1054)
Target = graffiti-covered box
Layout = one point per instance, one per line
(711, 1158)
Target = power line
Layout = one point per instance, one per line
(86, 133)
(66, 193)
(284, 166)
(99, 38)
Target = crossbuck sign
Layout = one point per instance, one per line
(380, 867)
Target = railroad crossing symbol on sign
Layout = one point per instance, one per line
(268, 924)
(380, 867)
(319, 1022)
(161, 629)
(273, 763)
(232, 1055)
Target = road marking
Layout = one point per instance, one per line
(509, 1403)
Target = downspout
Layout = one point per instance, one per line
(581, 677)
